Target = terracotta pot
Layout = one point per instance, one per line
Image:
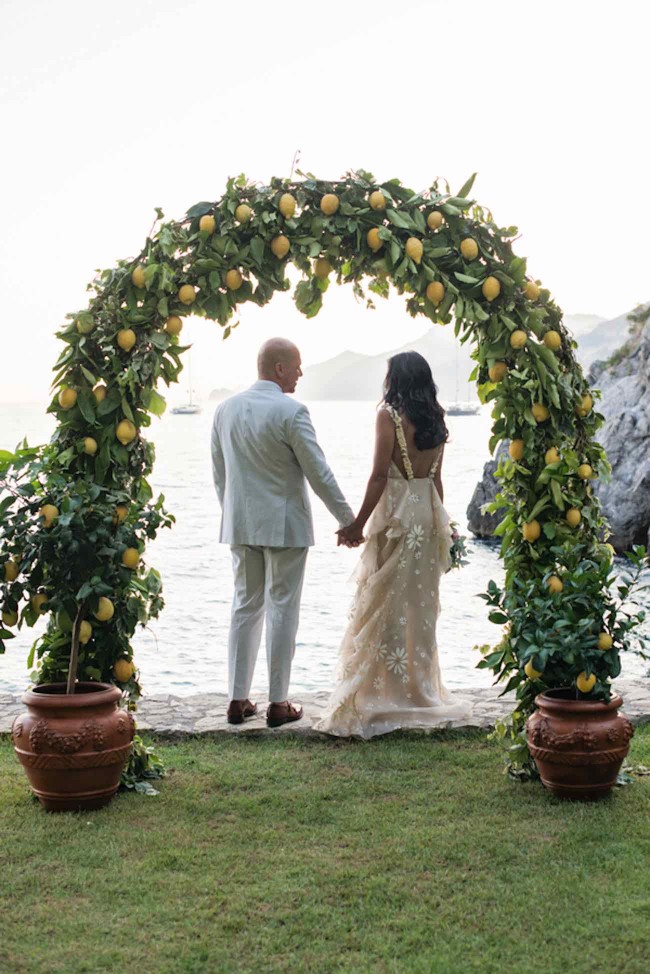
(73, 748)
(578, 745)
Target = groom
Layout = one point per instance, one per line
(263, 448)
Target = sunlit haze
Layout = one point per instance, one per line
(109, 110)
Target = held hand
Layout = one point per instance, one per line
(350, 536)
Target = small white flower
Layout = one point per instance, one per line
(396, 661)
(405, 678)
(402, 620)
(381, 652)
(418, 555)
(415, 536)
(378, 683)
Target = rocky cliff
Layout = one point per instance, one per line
(624, 381)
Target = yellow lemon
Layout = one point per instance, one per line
(584, 683)
(322, 268)
(329, 204)
(491, 288)
(287, 205)
(553, 340)
(123, 670)
(586, 405)
(126, 339)
(121, 514)
(130, 557)
(9, 618)
(555, 584)
(377, 200)
(173, 325)
(585, 472)
(540, 412)
(99, 392)
(498, 371)
(234, 280)
(137, 276)
(90, 446)
(207, 224)
(605, 641)
(38, 601)
(243, 213)
(187, 294)
(551, 456)
(469, 248)
(105, 609)
(374, 240)
(573, 517)
(85, 325)
(435, 220)
(435, 292)
(280, 246)
(516, 449)
(11, 571)
(85, 632)
(531, 530)
(67, 398)
(49, 513)
(531, 672)
(518, 339)
(531, 291)
(126, 432)
(414, 249)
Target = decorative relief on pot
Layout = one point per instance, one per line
(42, 738)
(622, 732)
(16, 729)
(542, 735)
(126, 724)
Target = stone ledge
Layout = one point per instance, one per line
(205, 713)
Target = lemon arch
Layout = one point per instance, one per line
(452, 263)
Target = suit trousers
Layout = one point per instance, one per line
(268, 583)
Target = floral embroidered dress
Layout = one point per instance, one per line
(389, 675)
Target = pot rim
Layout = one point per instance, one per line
(548, 701)
(53, 695)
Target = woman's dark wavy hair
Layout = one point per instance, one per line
(409, 388)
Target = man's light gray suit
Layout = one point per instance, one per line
(263, 448)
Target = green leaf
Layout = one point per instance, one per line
(257, 250)
(86, 403)
(156, 403)
(466, 187)
(466, 279)
(199, 209)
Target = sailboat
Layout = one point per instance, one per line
(189, 408)
(459, 408)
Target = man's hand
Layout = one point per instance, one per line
(350, 536)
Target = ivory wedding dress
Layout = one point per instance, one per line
(389, 676)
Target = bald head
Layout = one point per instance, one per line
(278, 361)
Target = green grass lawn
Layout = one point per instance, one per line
(403, 854)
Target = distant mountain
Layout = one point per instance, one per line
(601, 341)
(355, 376)
(352, 375)
(581, 324)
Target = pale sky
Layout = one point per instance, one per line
(111, 109)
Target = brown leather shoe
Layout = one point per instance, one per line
(240, 710)
(282, 713)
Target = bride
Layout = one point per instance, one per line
(389, 675)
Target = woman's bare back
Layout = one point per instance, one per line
(421, 460)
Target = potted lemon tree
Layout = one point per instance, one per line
(70, 552)
(568, 615)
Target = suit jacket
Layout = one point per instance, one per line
(263, 448)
